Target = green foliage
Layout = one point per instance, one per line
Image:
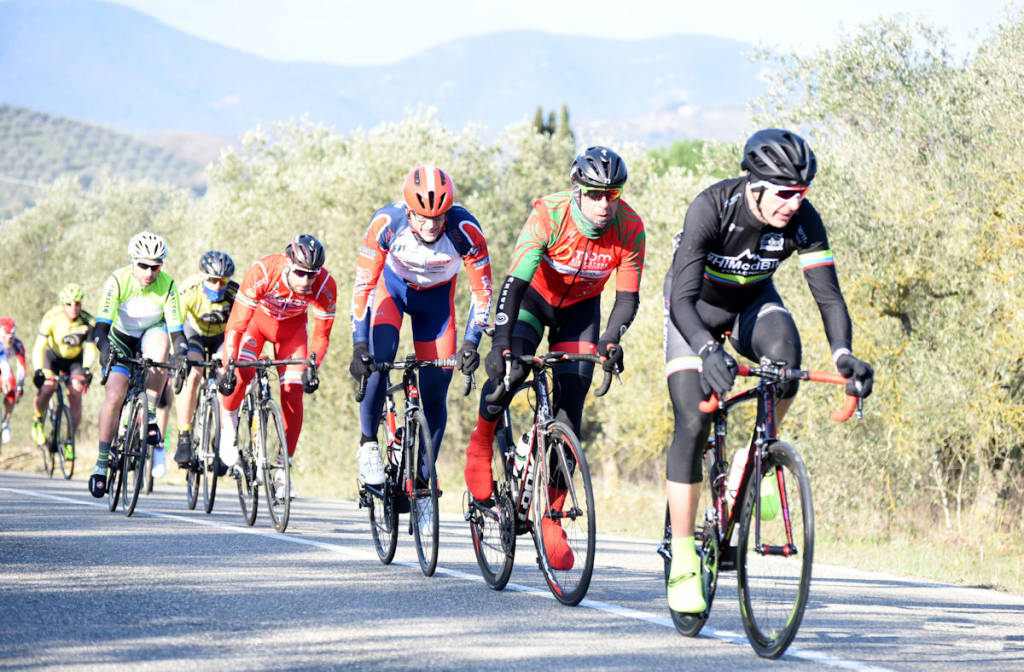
(919, 189)
(698, 157)
(36, 149)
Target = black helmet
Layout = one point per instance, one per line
(779, 156)
(217, 264)
(598, 167)
(306, 251)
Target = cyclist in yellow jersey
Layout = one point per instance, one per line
(206, 302)
(63, 345)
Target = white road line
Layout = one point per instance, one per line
(353, 554)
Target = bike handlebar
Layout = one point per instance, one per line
(547, 361)
(145, 363)
(411, 362)
(782, 375)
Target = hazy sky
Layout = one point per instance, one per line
(383, 31)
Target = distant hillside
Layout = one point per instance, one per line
(115, 66)
(36, 148)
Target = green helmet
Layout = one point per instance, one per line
(72, 293)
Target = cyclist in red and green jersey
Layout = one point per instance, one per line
(567, 251)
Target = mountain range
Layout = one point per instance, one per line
(108, 64)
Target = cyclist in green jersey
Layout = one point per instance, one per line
(140, 314)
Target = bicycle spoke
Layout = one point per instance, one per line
(776, 548)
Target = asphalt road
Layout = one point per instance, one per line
(172, 589)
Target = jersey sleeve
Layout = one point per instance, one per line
(633, 247)
(369, 265)
(172, 310)
(322, 310)
(42, 338)
(478, 270)
(819, 269)
(247, 299)
(687, 270)
(111, 300)
(533, 240)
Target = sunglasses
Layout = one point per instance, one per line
(304, 274)
(783, 191)
(596, 193)
(217, 281)
(148, 267)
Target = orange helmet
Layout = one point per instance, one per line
(428, 191)
(7, 325)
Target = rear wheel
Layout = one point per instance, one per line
(206, 457)
(492, 522)
(47, 448)
(64, 438)
(193, 475)
(564, 526)
(775, 551)
(423, 507)
(381, 499)
(115, 471)
(134, 460)
(248, 489)
(277, 471)
(147, 483)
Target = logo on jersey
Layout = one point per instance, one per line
(772, 242)
(745, 263)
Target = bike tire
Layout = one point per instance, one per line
(135, 452)
(115, 471)
(47, 449)
(773, 588)
(194, 478)
(65, 442)
(425, 524)
(492, 523)
(277, 467)
(706, 541)
(381, 501)
(147, 482)
(563, 466)
(248, 488)
(207, 454)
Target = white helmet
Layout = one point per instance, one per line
(146, 245)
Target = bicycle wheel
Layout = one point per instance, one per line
(47, 450)
(147, 482)
(277, 467)
(206, 455)
(193, 475)
(775, 552)
(248, 488)
(492, 523)
(64, 440)
(564, 528)
(423, 505)
(115, 470)
(706, 539)
(133, 460)
(381, 500)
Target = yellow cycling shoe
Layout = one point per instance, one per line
(685, 590)
(38, 433)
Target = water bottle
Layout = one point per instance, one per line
(739, 461)
(395, 454)
(522, 451)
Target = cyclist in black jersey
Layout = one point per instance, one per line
(735, 235)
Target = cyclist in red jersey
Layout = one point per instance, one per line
(271, 306)
(12, 373)
(571, 243)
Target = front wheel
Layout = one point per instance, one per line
(135, 448)
(564, 526)
(380, 499)
(706, 541)
(492, 523)
(206, 455)
(423, 502)
(277, 468)
(775, 551)
(248, 489)
(64, 438)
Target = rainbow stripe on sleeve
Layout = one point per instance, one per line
(811, 260)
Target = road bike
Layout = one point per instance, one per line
(202, 465)
(765, 530)
(407, 454)
(130, 450)
(543, 490)
(59, 447)
(263, 449)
